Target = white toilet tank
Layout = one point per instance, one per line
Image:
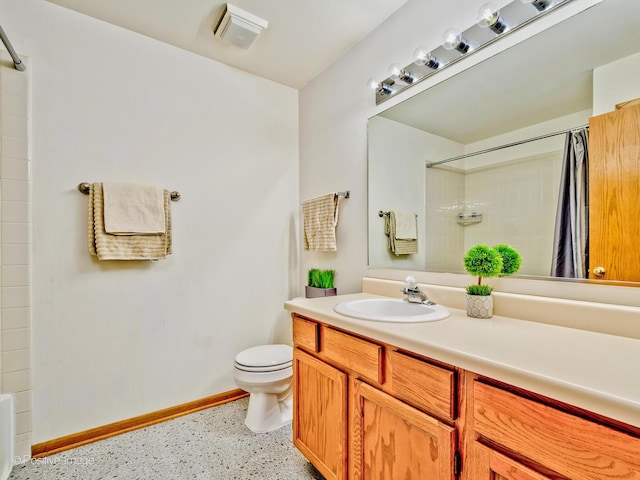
(7, 429)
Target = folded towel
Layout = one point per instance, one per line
(133, 209)
(128, 247)
(320, 220)
(396, 245)
(406, 225)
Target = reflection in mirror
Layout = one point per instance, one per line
(553, 82)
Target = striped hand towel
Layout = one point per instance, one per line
(397, 245)
(124, 247)
(320, 220)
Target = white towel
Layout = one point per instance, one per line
(133, 209)
(406, 226)
(320, 220)
(396, 245)
(125, 247)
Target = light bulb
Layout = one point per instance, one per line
(420, 55)
(489, 16)
(424, 57)
(395, 70)
(380, 87)
(452, 39)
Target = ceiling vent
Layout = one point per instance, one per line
(238, 27)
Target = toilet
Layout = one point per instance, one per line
(266, 372)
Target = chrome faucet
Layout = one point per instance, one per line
(413, 292)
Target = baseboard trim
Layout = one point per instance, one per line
(100, 433)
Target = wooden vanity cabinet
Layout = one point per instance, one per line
(488, 464)
(320, 414)
(550, 440)
(392, 440)
(347, 420)
(366, 410)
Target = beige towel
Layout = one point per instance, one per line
(398, 246)
(130, 247)
(320, 220)
(406, 225)
(133, 209)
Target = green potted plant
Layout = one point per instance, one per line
(320, 283)
(483, 261)
(511, 259)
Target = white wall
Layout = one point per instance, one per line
(395, 183)
(113, 340)
(334, 109)
(335, 106)
(615, 83)
(397, 156)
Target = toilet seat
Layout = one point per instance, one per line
(265, 358)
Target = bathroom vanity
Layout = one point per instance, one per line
(481, 399)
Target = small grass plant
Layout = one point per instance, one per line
(321, 278)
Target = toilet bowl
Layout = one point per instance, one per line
(266, 372)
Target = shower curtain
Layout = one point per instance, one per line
(571, 238)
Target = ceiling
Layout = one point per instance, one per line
(303, 38)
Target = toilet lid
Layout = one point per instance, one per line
(279, 356)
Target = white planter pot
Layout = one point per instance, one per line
(480, 306)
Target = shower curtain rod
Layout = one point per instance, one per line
(16, 59)
(500, 147)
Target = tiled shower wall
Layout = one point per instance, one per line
(15, 243)
(444, 200)
(517, 199)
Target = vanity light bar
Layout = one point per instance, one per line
(458, 45)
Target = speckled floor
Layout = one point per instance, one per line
(213, 444)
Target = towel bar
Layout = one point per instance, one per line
(84, 188)
(386, 214)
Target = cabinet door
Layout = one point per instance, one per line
(490, 465)
(391, 440)
(571, 446)
(320, 414)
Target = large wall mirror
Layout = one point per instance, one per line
(518, 107)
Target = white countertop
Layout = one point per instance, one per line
(595, 371)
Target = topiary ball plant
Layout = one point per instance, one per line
(482, 261)
(511, 259)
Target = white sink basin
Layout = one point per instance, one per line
(391, 310)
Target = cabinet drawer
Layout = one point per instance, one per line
(569, 445)
(305, 333)
(426, 386)
(361, 356)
